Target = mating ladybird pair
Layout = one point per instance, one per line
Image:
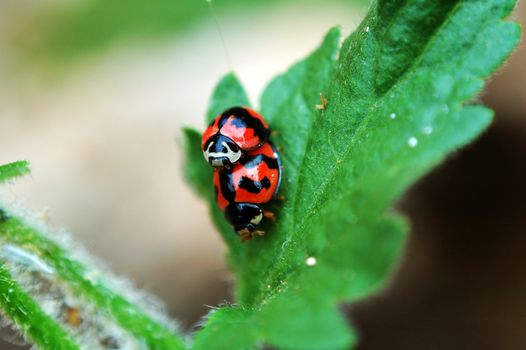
(247, 168)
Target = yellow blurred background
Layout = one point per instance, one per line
(94, 94)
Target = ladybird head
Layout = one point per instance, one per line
(244, 216)
(220, 151)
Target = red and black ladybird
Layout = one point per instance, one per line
(243, 191)
(231, 134)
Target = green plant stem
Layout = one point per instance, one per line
(84, 282)
(29, 318)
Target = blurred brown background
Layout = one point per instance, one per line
(95, 97)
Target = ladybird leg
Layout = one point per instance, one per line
(323, 103)
(280, 197)
(245, 235)
(269, 215)
(258, 233)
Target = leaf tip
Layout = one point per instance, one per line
(227, 93)
(15, 169)
(336, 30)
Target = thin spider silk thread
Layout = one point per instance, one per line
(220, 33)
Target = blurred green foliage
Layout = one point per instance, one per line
(72, 31)
(14, 169)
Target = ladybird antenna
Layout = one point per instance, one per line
(220, 32)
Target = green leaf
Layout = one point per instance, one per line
(23, 243)
(399, 98)
(12, 170)
(19, 307)
(84, 282)
(197, 174)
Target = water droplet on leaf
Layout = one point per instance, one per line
(428, 130)
(311, 261)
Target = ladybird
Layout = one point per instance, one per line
(243, 191)
(231, 134)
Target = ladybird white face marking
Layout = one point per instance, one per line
(215, 157)
(256, 219)
(207, 152)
